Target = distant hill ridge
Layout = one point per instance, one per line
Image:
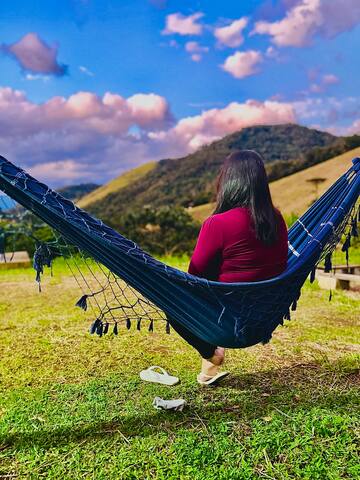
(75, 192)
(189, 181)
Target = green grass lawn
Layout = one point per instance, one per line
(72, 406)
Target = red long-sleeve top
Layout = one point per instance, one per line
(227, 249)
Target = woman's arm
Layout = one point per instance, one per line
(207, 254)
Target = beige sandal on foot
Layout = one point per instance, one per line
(211, 380)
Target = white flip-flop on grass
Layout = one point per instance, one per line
(211, 380)
(153, 376)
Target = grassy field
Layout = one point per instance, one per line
(72, 406)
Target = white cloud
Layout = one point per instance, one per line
(183, 25)
(322, 84)
(87, 132)
(352, 129)
(327, 110)
(66, 171)
(271, 52)
(86, 71)
(195, 47)
(196, 57)
(192, 132)
(330, 79)
(31, 77)
(231, 35)
(309, 18)
(243, 64)
(316, 88)
(196, 50)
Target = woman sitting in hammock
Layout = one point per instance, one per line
(245, 240)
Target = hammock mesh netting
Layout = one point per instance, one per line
(111, 300)
(125, 286)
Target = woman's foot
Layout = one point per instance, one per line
(210, 367)
(218, 357)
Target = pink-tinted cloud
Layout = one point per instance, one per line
(330, 79)
(149, 110)
(352, 129)
(313, 73)
(34, 55)
(309, 18)
(89, 138)
(321, 85)
(66, 171)
(231, 35)
(243, 64)
(272, 53)
(183, 25)
(196, 50)
(325, 112)
(84, 134)
(192, 132)
(316, 88)
(86, 137)
(86, 71)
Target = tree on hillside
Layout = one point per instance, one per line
(161, 231)
(316, 182)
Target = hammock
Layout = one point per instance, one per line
(233, 315)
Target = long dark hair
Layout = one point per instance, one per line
(243, 182)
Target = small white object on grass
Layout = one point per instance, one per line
(178, 404)
(151, 375)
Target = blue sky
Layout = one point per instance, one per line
(160, 78)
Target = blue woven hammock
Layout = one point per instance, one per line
(233, 315)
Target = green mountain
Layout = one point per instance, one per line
(189, 181)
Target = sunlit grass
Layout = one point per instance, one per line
(72, 406)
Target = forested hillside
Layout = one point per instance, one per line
(189, 181)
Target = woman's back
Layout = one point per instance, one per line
(227, 249)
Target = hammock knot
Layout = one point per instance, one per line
(42, 258)
(328, 263)
(94, 326)
(287, 315)
(346, 246)
(168, 327)
(2, 242)
(82, 302)
(354, 229)
(100, 329)
(312, 275)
